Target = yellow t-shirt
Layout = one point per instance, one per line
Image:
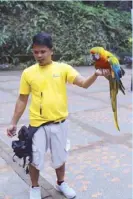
(47, 86)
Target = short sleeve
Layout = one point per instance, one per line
(24, 85)
(71, 74)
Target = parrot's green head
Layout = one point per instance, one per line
(97, 52)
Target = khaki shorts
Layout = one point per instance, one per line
(53, 137)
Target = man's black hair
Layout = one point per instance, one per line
(43, 39)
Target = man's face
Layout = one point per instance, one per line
(42, 54)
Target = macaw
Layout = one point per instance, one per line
(103, 59)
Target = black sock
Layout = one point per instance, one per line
(36, 186)
(60, 182)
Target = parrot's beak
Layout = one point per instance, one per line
(95, 57)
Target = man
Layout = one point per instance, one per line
(46, 81)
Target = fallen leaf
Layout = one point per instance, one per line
(7, 197)
(116, 166)
(86, 182)
(83, 188)
(70, 168)
(76, 172)
(112, 157)
(117, 161)
(106, 174)
(99, 169)
(79, 177)
(115, 180)
(95, 165)
(104, 157)
(97, 150)
(126, 170)
(106, 161)
(125, 165)
(130, 186)
(96, 195)
(98, 160)
(105, 149)
(105, 153)
(122, 155)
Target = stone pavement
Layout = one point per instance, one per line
(14, 183)
(100, 160)
(10, 183)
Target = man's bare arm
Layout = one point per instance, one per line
(84, 82)
(87, 82)
(19, 108)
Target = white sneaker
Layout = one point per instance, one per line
(35, 193)
(66, 190)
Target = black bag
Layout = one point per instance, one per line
(23, 146)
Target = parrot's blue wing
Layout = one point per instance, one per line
(117, 72)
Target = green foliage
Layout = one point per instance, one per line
(75, 28)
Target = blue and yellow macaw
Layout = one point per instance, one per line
(103, 59)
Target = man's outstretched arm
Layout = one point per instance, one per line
(87, 82)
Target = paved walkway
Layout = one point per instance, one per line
(100, 161)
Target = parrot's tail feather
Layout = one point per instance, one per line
(122, 84)
(122, 71)
(116, 121)
(113, 94)
(121, 87)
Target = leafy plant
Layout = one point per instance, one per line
(75, 28)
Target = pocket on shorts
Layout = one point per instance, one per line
(68, 145)
(64, 131)
(36, 155)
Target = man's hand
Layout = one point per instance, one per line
(102, 72)
(11, 131)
